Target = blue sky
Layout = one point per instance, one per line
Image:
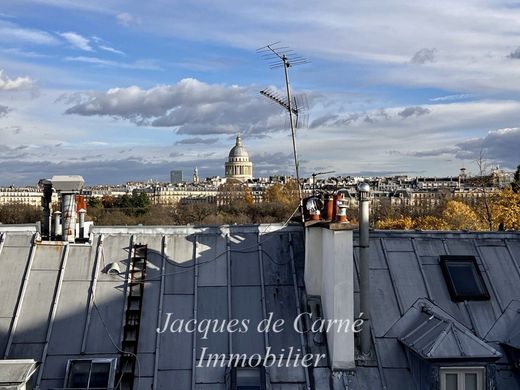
(117, 91)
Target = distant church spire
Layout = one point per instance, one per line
(196, 179)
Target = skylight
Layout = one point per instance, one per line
(463, 278)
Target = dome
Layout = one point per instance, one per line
(238, 150)
(238, 167)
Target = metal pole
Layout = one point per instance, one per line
(82, 213)
(364, 280)
(293, 135)
(298, 309)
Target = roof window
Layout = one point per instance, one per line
(90, 374)
(463, 278)
(248, 378)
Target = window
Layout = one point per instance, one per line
(463, 278)
(90, 374)
(248, 378)
(463, 378)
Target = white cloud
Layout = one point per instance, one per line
(190, 106)
(10, 32)
(78, 41)
(111, 49)
(126, 19)
(142, 64)
(17, 84)
(452, 97)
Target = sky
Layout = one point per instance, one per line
(117, 91)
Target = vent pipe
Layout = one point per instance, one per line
(57, 225)
(82, 213)
(364, 280)
(68, 212)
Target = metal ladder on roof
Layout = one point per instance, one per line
(137, 274)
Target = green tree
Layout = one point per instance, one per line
(516, 181)
(19, 213)
(96, 203)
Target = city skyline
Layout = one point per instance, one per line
(119, 92)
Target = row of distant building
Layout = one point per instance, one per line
(396, 190)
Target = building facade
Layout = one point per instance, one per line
(31, 196)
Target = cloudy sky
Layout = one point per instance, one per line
(117, 90)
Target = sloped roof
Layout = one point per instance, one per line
(506, 329)
(241, 272)
(405, 267)
(239, 268)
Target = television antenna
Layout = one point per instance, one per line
(314, 179)
(281, 56)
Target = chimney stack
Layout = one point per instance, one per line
(68, 187)
(46, 186)
(329, 275)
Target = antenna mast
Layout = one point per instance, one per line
(278, 57)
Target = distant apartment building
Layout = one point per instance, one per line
(31, 196)
(176, 176)
(172, 195)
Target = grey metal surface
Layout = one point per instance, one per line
(396, 259)
(433, 335)
(16, 371)
(498, 255)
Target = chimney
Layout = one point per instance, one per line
(329, 274)
(46, 186)
(82, 213)
(57, 225)
(364, 279)
(68, 187)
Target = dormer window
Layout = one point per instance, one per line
(463, 278)
(462, 378)
(248, 378)
(90, 374)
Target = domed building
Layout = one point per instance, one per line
(238, 166)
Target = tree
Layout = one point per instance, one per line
(286, 194)
(398, 223)
(96, 203)
(19, 213)
(460, 216)
(486, 199)
(248, 196)
(516, 181)
(108, 201)
(431, 222)
(507, 210)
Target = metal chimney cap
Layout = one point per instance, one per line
(363, 187)
(71, 183)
